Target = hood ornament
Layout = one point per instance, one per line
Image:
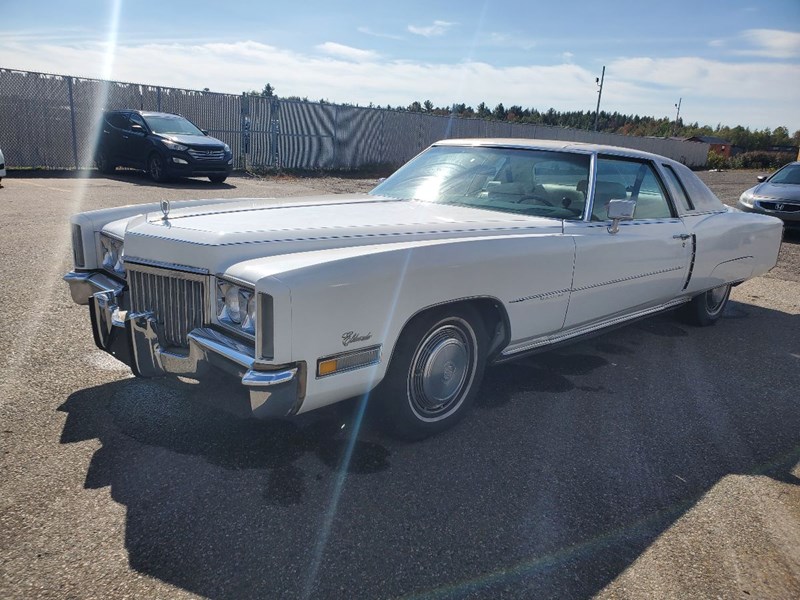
(165, 210)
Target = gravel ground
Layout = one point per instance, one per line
(655, 461)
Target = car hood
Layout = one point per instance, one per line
(779, 191)
(213, 237)
(193, 140)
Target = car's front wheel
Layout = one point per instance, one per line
(155, 167)
(707, 308)
(217, 178)
(435, 373)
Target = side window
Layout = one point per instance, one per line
(137, 120)
(620, 179)
(118, 120)
(678, 191)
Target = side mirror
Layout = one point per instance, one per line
(761, 178)
(204, 131)
(620, 210)
(136, 128)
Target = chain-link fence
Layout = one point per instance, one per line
(51, 121)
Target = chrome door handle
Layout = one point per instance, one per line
(681, 236)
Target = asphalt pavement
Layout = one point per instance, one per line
(656, 461)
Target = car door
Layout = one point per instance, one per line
(115, 124)
(644, 264)
(135, 142)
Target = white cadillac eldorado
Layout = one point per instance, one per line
(474, 253)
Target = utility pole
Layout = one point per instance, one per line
(599, 82)
(677, 116)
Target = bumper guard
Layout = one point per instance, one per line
(133, 338)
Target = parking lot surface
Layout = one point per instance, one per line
(658, 460)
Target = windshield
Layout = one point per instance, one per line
(534, 182)
(788, 174)
(171, 124)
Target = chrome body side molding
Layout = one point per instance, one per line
(567, 334)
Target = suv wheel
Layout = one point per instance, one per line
(103, 164)
(155, 167)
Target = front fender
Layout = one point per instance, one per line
(369, 293)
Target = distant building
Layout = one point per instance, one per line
(783, 149)
(718, 145)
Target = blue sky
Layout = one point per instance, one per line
(731, 62)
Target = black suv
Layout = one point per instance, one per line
(162, 144)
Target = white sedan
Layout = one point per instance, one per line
(474, 253)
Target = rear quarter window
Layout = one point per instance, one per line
(699, 195)
(677, 190)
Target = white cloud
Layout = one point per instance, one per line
(377, 34)
(771, 43)
(709, 78)
(438, 28)
(713, 91)
(347, 52)
(567, 57)
(756, 94)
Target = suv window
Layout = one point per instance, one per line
(118, 120)
(137, 120)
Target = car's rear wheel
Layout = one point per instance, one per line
(707, 308)
(155, 167)
(217, 178)
(436, 371)
(104, 165)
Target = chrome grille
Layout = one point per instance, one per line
(209, 155)
(177, 300)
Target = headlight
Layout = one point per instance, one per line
(236, 307)
(249, 321)
(174, 145)
(233, 304)
(113, 255)
(746, 199)
(227, 148)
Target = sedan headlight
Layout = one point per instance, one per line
(112, 256)
(175, 146)
(227, 149)
(746, 198)
(236, 307)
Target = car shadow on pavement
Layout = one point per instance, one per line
(181, 183)
(571, 465)
(132, 176)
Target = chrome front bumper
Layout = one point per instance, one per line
(133, 339)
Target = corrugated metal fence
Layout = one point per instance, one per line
(51, 121)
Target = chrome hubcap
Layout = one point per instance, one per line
(441, 371)
(715, 299)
